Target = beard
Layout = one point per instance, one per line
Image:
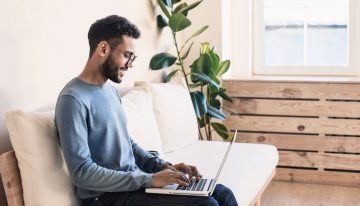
(110, 70)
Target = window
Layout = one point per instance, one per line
(305, 37)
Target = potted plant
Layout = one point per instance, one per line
(203, 77)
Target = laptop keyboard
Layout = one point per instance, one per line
(194, 186)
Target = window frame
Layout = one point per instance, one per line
(258, 52)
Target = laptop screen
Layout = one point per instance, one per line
(225, 157)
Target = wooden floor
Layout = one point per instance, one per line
(300, 194)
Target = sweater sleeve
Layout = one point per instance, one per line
(145, 160)
(70, 119)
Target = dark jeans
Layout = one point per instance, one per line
(222, 196)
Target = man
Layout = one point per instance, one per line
(106, 166)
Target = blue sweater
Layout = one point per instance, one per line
(99, 153)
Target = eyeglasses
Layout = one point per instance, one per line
(130, 57)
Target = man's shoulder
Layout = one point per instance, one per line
(72, 90)
(113, 89)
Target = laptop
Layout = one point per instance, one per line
(203, 187)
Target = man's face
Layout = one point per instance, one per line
(115, 65)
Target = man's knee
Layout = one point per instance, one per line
(222, 187)
(224, 195)
(210, 201)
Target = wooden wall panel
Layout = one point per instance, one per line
(316, 160)
(293, 90)
(293, 107)
(294, 124)
(303, 142)
(315, 126)
(319, 177)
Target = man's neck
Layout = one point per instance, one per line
(92, 74)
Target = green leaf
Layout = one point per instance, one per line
(224, 67)
(179, 7)
(163, 8)
(168, 3)
(224, 95)
(162, 60)
(204, 48)
(169, 76)
(201, 121)
(193, 86)
(198, 32)
(213, 112)
(220, 129)
(178, 22)
(175, 1)
(213, 77)
(191, 6)
(194, 78)
(216, 60)
(203, 77)
(199, 103)
(204, 64)
(216, 103)
(193, 66)
(187, 51)
(196, 107)
(161, 21)
(212, 91)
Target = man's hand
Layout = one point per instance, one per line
(186, 169)
(167, 177)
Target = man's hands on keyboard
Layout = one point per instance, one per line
(192, 171)
(167, 177)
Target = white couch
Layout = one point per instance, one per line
(160, 117)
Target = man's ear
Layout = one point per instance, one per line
(103, 49)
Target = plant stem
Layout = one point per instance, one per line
(209, 129)
(200, 135)
(208, 118)
(180, 60)
(184, 73)
(206, 131)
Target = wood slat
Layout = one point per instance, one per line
(292, 90)
(293, 107)
(320, 177)
(10, 175)
(316, 160)
(303, 142)
(294, 125)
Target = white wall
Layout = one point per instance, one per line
(207, 13)
(44, 45)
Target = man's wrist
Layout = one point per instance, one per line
(166, 165)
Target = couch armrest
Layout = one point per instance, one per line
(10, 175)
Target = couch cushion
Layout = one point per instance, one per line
(246, 171)
(174, 114)
(44, 174)
(141, 123)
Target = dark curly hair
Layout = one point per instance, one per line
(110, 29)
